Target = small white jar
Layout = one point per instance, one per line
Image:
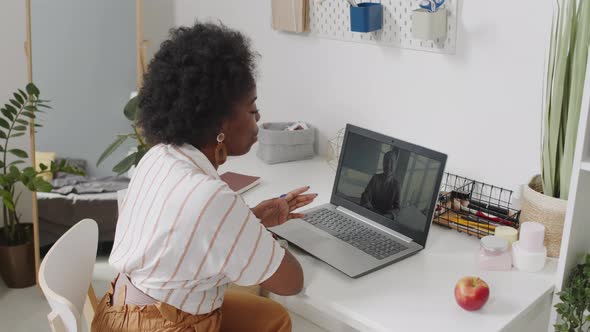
(528, 261)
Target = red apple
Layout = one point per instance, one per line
(471, 293)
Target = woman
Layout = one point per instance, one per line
(383, 191)
(182, 234)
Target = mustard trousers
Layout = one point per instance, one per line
(240, 311)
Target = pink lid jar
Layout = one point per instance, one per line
(494, 253)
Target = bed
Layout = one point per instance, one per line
(75, 198)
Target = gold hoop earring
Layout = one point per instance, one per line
(220, 150)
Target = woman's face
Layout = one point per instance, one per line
(240, 129)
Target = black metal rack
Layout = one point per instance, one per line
(474, 207)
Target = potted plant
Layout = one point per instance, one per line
(545, 198)
(574, 308)
(131, 112)
(17, 264)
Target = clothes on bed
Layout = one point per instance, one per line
(76, 184)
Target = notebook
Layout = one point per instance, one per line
(239, 182)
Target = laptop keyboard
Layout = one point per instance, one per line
(354, 233)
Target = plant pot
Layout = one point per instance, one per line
(548, 211)
(17, 264)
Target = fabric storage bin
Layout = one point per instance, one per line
(277, 145)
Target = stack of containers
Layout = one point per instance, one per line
(529, 253)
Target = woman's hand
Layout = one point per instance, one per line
(276, 211)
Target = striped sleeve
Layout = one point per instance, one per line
(252, 255)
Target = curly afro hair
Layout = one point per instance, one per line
(193, 83)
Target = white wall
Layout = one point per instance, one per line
(13, 71)
(84, 61)
(482, 106)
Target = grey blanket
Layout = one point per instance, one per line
(74, 184)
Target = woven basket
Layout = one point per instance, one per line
(548, 211)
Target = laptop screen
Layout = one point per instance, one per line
(391, 182)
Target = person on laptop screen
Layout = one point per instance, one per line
(382, 194)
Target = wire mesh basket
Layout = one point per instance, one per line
(474, 207)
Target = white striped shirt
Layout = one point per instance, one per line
(183, 235)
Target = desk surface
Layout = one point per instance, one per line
(413, 294)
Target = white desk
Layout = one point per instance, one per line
(415, 294)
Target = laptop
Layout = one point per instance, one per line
(381, 208)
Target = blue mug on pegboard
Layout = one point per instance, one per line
(366, 17)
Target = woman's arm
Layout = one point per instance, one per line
(288, 278)
(276, 211)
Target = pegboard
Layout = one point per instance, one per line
(331, 19)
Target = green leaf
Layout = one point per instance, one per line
(8, 204)
(131, 109)
(42, 185)
(19, 153)
(577, 74)
(23, 122)
(111, 148)
(16, 162)
(25, 180)
(14, 171)
(29, 172)
(125, 164)
(30, 108)
(140, 153)
(7, 114)
(11, 109)
(4, 124)
(23, 94)
(16, 135)
(18, 98)
(43, 105)
(561, 306)
(32, 89)
(3, 135)
(5, 194)
(30, 115)
(15, 103)
(19, 128)
(43, 167)
(38, 125)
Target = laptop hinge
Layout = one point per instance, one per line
(374, 224)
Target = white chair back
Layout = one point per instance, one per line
(66, 273)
